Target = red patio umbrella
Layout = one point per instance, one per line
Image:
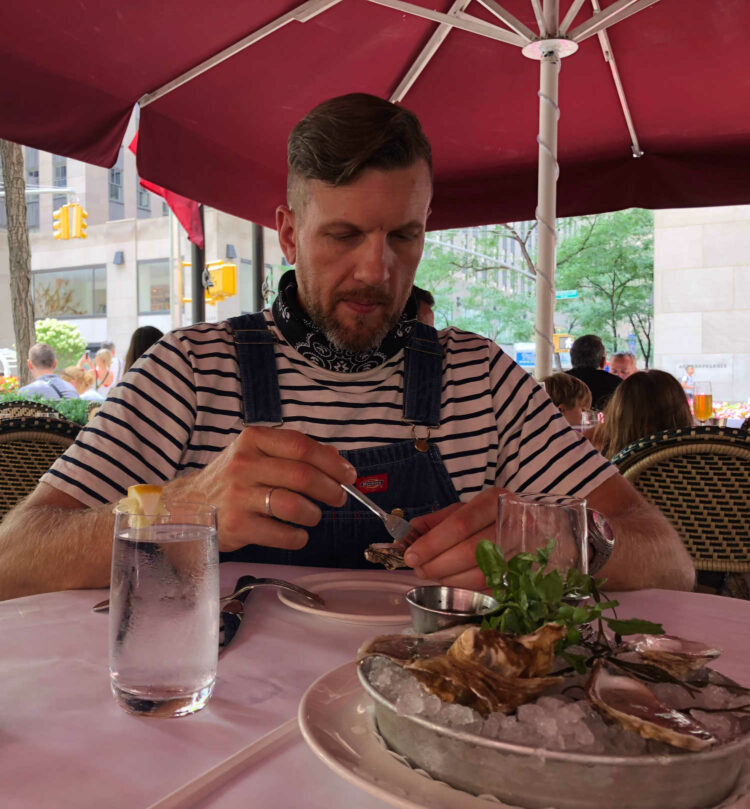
(72, 73)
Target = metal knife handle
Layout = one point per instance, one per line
(357, 494)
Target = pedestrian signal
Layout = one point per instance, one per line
(562, 342)
(61, 222)
(223, 281)
(78, 223)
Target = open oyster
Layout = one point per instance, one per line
(675, 655)
(388, 554)
(631, 703)
(405, 648)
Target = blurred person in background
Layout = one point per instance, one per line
(141, 340)
(622, 364)
(570, 395)
(83, 381)
(102, 368)
(425, 302)
(588, 357)
(645, 403)
(118, 366)
(42, 363)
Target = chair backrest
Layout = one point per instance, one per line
(28, 447)
(16, 409)
(92, 409)
(700, 479)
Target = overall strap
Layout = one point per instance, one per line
(423, 377)
(256, 359)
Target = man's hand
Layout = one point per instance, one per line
(297, 468)
(648, 551)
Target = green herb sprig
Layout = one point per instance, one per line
(529, 596)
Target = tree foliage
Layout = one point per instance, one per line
(65, 339)
(483, 279)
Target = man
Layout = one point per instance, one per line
(42, 363)
(588, 356)
(425, 302)
(117, 365)
(339, 383)
(622, 364)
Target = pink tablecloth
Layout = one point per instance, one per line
(64, 744)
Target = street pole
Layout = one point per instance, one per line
(198, 257)
(259, 267)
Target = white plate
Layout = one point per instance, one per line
(335, 717)
(359, 597)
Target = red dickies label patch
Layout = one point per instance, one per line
(372, 483)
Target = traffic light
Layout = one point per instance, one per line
(61, 222)
(223, 281)
(78, 223)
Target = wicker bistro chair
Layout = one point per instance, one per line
(28, 447)
(700, 479)
(17, 409)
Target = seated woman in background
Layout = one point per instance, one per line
(143, 338)
(570, 394)
(644, 403)
(83, 381)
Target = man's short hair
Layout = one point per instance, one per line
(342, 137)
(423, 296)
(623, 355)
(109, 345)
(587, 352)
(42, 356)
(567, 391)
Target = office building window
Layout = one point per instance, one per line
(59, 179)
(153, 286)
(31, 161)
(144, 198)
(70, 293)
(164, 208)
(115, 185)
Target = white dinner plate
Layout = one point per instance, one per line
(360, 597)
(336, 720)
(335, 717)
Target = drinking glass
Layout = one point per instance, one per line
(527, 522)
(703, 405)
(164, 610)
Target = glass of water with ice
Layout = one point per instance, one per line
(164, 610)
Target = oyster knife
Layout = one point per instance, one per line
(399, 528)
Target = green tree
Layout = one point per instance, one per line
(610, 261)
(65, 338)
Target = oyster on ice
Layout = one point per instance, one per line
(631, 703)
(403, 649)
(675, 655)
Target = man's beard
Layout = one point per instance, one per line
(356, 337)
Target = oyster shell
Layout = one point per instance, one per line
(675, 655)
(509, 655)
(388, 554)
(633, 705)
(469, 683)
(405, 648)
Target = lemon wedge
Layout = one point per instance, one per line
(143, 502)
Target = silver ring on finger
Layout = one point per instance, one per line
(268, 501)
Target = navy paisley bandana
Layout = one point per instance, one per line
(307, 339)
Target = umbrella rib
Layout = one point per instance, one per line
(618, 11)
(301, 13)
(609, 58)
(512, 22)
(575, 7)
(429, 50)
(459, 20)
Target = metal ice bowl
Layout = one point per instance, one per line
(436, 606)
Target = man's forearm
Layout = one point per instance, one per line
(45, 547)
(648, 553)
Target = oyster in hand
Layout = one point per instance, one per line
(388, 554)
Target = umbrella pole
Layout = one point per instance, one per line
(549, 69)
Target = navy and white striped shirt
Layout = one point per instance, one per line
(180, 406)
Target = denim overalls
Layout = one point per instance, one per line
(408, 475)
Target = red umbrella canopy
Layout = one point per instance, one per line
(72, 73)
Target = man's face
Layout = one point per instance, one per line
(622, 367)
(356, 249)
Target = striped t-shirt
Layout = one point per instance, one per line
(180, 406)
